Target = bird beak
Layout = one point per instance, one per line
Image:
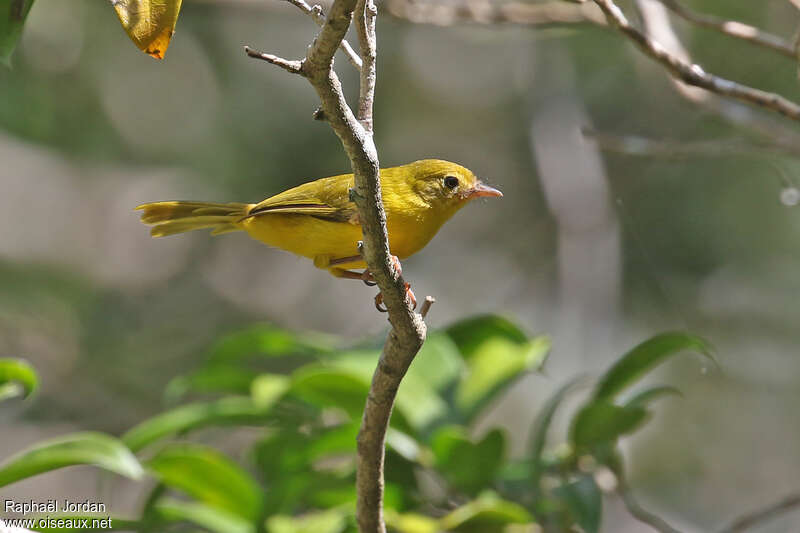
(481, 189)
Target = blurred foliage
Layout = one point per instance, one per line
(298, 474)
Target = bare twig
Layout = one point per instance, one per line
(642, 514)
(637, 145)
(751, 519)
(693, 74)
(552, 13)
(366, 13)
(318, 16)
(285, 64)
(408, 329)
(426, 306)
(733, 28)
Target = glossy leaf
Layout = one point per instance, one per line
(492, 364)
(584, 501)
(209, 518)
(469, 334)
(265, 340)
(647, 396)
(17, 378)
(487, 514)
(540, 428)
(469, 466)
(12, 19)
(268, 389)
(602, 422)
(75, 449)
(211, 379)
(210, 477)
(438, 362)
(149, 23)
(643, 357)
(418, 402)
(411, 523)
(330, 387)
(192, 416)
(330, 521)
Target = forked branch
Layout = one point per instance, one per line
(355, 133)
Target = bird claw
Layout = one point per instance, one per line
(382, 308)
(367, 278)
(397, 266)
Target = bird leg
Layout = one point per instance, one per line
(382, 308)
(369, 279)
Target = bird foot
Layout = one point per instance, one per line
(382, 308)
(369, 279)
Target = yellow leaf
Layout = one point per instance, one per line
(149, 23)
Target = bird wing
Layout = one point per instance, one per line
(326, 198)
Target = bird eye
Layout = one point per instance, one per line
(451, 182)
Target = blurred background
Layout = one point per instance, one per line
(631, 206)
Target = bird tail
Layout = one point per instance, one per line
(169, 218)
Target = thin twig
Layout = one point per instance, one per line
(288, 65)
(694, 74)
(762, 515)
(636, 145)
(732, 28)
(366, 13)
(318, 16)
(426, 306)
(554, 13)
(642, 514)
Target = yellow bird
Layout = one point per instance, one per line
(317, 219)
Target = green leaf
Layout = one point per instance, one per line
(265, 340)
(192, 416)
(211, 379)
(487, 514)
(76, 449)
(12, 17)
(330, 521)
(438, 362)
(66, 523)
(210, 477)
(210, 518)
(411, 522)
(417, 400)
(492, 364)
(268, 389)
(540, 428)
(602, 422)
(469, 334)
(643, 357)
(17, 377)
(330, 387)
(466, 465)
(645, 397)
(584, 501)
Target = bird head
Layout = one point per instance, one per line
(446, 185)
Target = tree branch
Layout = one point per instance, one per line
(749, 520)
(285, 64)
(366, 13)
(642, 514)
(693, 74)
(318, 16)
(408, 329)
(733, 28)
(552, 13)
